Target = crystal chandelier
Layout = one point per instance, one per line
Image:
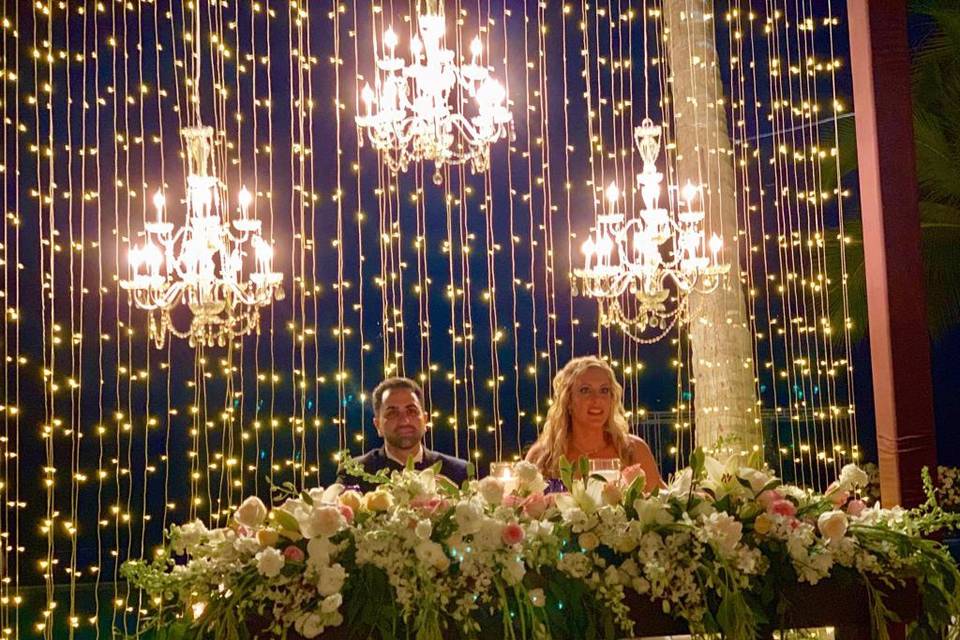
(408, 115)
(625, 268)
(220, 269)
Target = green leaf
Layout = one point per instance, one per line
(285, 520)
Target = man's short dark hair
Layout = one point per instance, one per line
(395, 383)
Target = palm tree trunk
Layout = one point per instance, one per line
(725, 397)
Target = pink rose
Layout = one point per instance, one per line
(428, 506)
(611, 494)
(856, 507)
(631, 473)
(768, 497)
(293, 553)
(783, 508)
(512, 501)
(536, 504)
(839, 498)
(347, 513)
(512, 534)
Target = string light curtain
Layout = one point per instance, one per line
(464, 286)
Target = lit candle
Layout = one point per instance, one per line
(604, 247)
(244, 198)
(158, 202)
(390, 40)
(135, 260)
(476, 48)
(503, 471)
(264, 256)
(416, 48)
(716, 243)
(588, 250)
(689, 193)
(613, 194)
(367, 95)
(152, 257)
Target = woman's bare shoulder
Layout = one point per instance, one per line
(536, 452)
(638, 446)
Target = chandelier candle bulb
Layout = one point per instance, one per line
(244, 198)
(476, 48)
(158, 202)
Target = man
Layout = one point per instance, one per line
(401, 421)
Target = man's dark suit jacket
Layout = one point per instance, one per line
(377, 459)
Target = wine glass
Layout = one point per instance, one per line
(608, 468)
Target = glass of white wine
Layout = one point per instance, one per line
(608, 468)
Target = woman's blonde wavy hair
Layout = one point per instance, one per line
(556, 429)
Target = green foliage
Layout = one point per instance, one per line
(936, 123)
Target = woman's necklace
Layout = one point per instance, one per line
(603, 445)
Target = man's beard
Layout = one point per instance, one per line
(400, 441)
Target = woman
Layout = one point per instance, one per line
(587, 418)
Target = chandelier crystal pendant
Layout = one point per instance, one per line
(624, 268)
(220, 269)
(416, 110)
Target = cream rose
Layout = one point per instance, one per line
(320, 521)
(491, 489)
(378, 500)
(251, 513)
(351, 499)
(832, 525)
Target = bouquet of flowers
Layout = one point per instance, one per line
(420, 557)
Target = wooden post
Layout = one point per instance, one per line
(899, 339)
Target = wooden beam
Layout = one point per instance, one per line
(899, 338)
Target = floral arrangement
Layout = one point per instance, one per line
(420, 557)
(947, 492)
(949, 487)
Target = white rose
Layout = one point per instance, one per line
(331, 579)
(269, 562)
(251, 513)
(491, 489)
(309, 625)
(724, 531)
(318, 552)
(468, 515)
(320, 521)
(832, 525)
(852, 477)
(331, 603)
(423, 529)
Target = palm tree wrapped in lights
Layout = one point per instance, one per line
(626, 255)
(408, 114)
